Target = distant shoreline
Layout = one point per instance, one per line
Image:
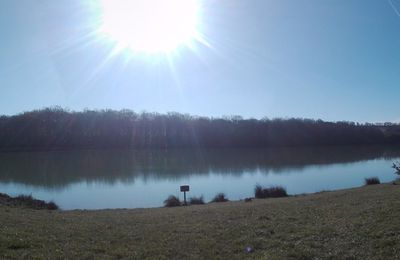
(124, 148)
(55, 128)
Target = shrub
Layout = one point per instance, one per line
(220, 197)
(196, 200)
(259, 192)
(396, 166)
(172, 201)
(272, 192)
(25, 198)
(27, 201)
(372, 181)
(4, 196)
(52, 206)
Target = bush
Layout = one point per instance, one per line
(259, 192)
(196, 200)
(27, 201)
(272, 192)
(396, 166)
(220, 197)
(172, 201)
(52, 206)
(372, 181)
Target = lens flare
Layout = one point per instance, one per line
(150, 25)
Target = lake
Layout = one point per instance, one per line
(98, 179)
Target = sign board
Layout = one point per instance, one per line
(184, 188)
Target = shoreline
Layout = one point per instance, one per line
(29, 202)
(39, 204)
(360, 223)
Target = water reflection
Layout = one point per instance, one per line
(59, 169)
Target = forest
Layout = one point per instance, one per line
(57, 128)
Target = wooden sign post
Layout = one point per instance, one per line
(184, 189)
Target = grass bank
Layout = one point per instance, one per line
(362, 223)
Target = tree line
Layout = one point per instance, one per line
(57, 128)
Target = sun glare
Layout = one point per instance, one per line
(150, 25)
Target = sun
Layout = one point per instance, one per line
(150, 26)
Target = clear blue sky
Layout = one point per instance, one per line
(328, 59)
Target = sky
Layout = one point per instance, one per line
(322, 59)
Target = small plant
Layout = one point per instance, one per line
(172, 201)
(272, 192)
(52, 206)
(372, 181)
(29, 201)
(26, 198)
(196, 200)
(259, 192)
(396, 166)
(220, 197)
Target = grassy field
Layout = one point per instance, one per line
(361, 223)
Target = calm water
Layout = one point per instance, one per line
(131, 179)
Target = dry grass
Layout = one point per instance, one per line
(362, 223)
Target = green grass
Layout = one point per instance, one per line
(362, 223)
